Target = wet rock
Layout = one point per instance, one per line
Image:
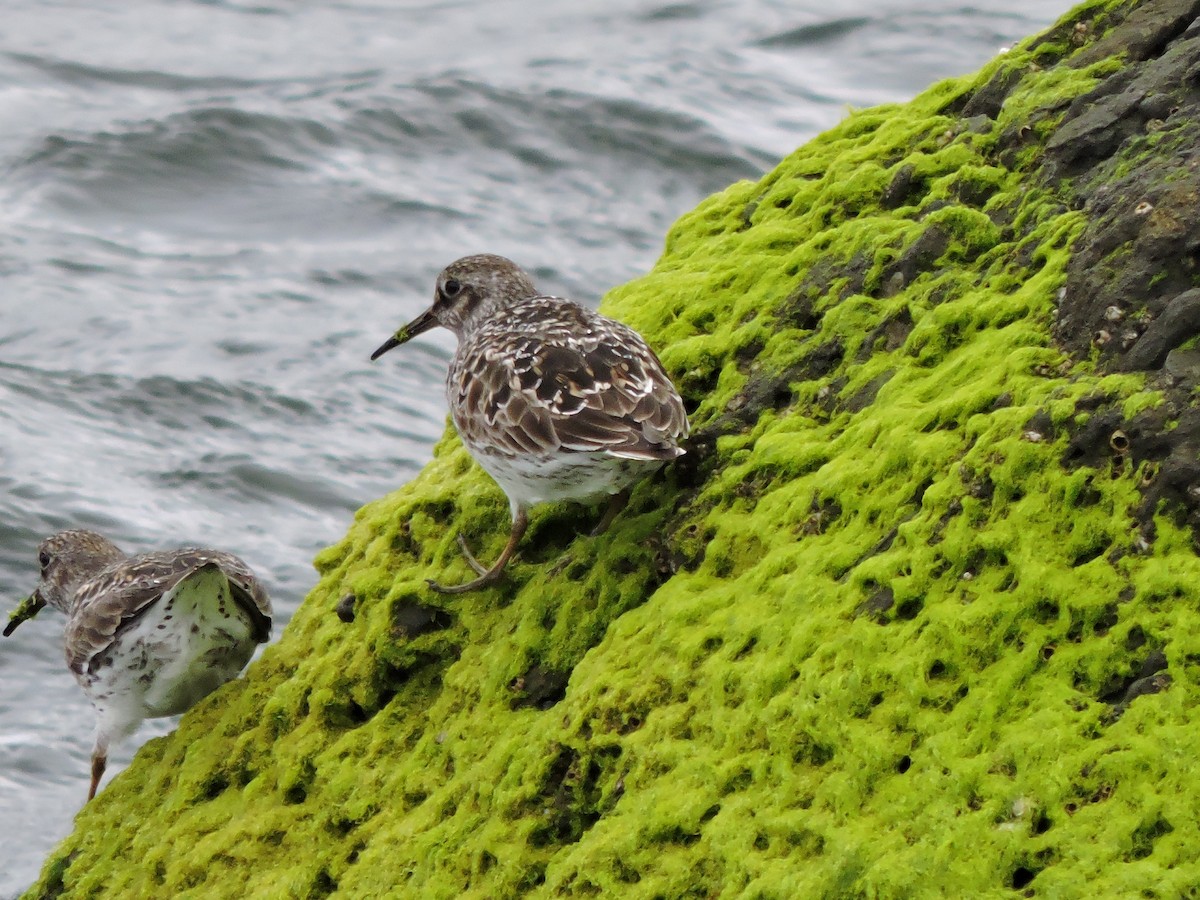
(539, 688)
(345, 608)
(411, 619)
(1178, 322)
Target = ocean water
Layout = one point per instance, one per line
(212, 212)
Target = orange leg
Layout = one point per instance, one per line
(99, 763)
(487, 576)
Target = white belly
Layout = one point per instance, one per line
(580, 477)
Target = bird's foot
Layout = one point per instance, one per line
(487, 577)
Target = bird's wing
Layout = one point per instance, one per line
(591, 385)
(113, 599)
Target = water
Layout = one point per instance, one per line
(212, 212)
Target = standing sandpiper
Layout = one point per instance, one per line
(147, 635)
(556, 402)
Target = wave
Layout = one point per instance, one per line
(214, 144)
(816, 32)
(87, 75)
(154, 407)
(225, 146)
(549, 128)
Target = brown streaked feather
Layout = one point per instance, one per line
(546, 375)
(116, 596)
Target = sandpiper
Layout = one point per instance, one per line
(147, 635)
(554, 401)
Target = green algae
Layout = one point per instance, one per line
(25, 610)
(872, 637)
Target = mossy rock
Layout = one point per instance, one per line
(916, 616)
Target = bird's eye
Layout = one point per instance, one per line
(44, 560)
(451, 288)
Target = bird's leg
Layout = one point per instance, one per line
(488, 576)
(616, 503)
(99, 764)
(99, 761)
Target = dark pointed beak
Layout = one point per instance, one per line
(26, 610)
(420, 324)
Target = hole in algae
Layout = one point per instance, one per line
(904, 764)
(410, 620)
(812, 752)
(1145, 836)
(877, 605)
(55, 875)
(1106, 621)
(1042, 824)
(626, 873)
(214, 787)
(739, 781)
(806, 842)
(745, 649)
(323, 885)
(697, 385)
(919, 492)
(631, 723)
(761, 842)
(909, 609)
(675, 835)
(342, 826)
(413, 799)
(539, 687)
(1021, 877)
(1087, 554)
(1045, 612)
(534, 876)
(295, 795)
(1136, 638)
(440, 510)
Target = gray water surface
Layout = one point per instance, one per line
(212, 212)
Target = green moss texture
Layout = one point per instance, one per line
(875, 636)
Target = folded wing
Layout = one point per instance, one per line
(578, 383)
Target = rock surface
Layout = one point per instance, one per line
(916, 616)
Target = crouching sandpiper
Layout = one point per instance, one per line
(554, 401)
(146, 635)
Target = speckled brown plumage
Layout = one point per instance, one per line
(555, 401)
(547, 376)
